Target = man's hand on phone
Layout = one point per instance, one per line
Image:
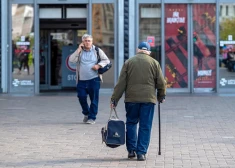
(80, 47)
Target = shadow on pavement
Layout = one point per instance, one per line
(63, 162)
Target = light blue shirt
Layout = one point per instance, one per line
(87, 61)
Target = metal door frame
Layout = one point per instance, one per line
(48, 85)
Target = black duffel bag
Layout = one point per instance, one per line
(114, 133)
(102, 69)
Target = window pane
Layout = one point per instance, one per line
(227, 48)
(150, 28)
(22, 48)
(103, 36)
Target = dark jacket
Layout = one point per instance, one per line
(140, 76)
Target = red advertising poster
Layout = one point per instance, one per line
(176, 45)
(151, 40)
(204, 47)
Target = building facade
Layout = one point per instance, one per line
(193, 40)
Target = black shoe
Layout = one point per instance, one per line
(141, 157)
(131, 154)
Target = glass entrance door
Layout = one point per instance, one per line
(190, 47)
(204, 47)
(51, 44)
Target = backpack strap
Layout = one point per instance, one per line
(98, 54)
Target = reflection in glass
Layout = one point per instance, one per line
(103, 36)
(58, 39)
(227, 46)
(50, 58)
(80, 33)
(150, 28)
(43, 56)
(22, 48)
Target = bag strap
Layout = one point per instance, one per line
(111, 111)
(98, 54)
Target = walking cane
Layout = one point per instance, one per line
(159, 122)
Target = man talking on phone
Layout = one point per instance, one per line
(88, 80)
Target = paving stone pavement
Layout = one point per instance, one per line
(47, 131)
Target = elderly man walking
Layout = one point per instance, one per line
(140, 76)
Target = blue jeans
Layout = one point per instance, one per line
(89, 87)
(142, 113)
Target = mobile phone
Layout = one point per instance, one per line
(82, 46)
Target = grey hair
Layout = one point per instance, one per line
(87, 36)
